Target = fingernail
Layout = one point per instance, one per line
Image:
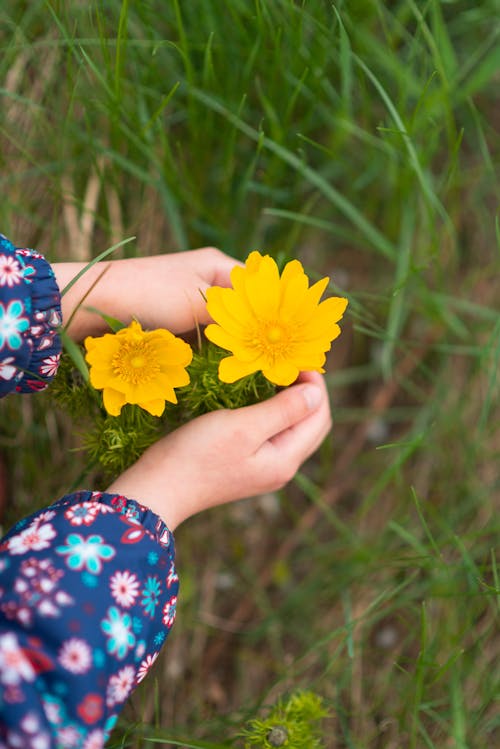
(312, 396)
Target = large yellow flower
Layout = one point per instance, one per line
(137, 366)
(272, 323)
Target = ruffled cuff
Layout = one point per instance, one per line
(30, 315)
(140, 519)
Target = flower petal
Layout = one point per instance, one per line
(315, 293)
(238, 347)
(309, 357)
(254, 261)
(100, 350)
(292, 269)
(263, 288)
(293, 293)
(173, 353)
(220, 337)
(156, 406)
(228, 309)
(177, 376)
(232, 369)
(238, 275)
(104, 377)
(113, 401)
(336, 306)
(282, 372)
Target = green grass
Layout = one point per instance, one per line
(361, 137)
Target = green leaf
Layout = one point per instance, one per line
(113, 323)
(76, 354)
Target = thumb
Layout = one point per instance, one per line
(283, 410)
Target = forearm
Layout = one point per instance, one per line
(161, 291)
(111, 287)
(141, 288)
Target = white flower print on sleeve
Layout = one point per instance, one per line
(169, 610)
(7, 370)
(120, 685)
(37, 589)
(146, 665)
(124, 588)
(15, 667)
(35, 537)
(83, 513)
(94, 740)
(11, 272)
(50, 365)
(76, 656)
(31, 734)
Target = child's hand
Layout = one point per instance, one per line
(163, 291)
(228, 455)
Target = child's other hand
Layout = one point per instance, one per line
(228, 455)
(162, 291)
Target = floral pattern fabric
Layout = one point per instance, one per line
(88, 592)
(88, 586)
(30, 315)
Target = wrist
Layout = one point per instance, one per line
(86, 292)
(147, 484)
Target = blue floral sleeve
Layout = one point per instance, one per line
(88, 586)
(30, 315)
(88, 592)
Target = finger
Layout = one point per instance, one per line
(279, 458)
(299, 441)
(283, 454)
(315, 426)
(214, 266)
(267, 419)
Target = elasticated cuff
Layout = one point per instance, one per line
(30, 316)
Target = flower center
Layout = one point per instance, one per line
(134, 362)
(273, 339)
(274, 334)
(138, 361)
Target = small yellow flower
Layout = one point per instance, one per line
(271, 323)
(137, 366)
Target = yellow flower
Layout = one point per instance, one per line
(272, 323)
(137, 366)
